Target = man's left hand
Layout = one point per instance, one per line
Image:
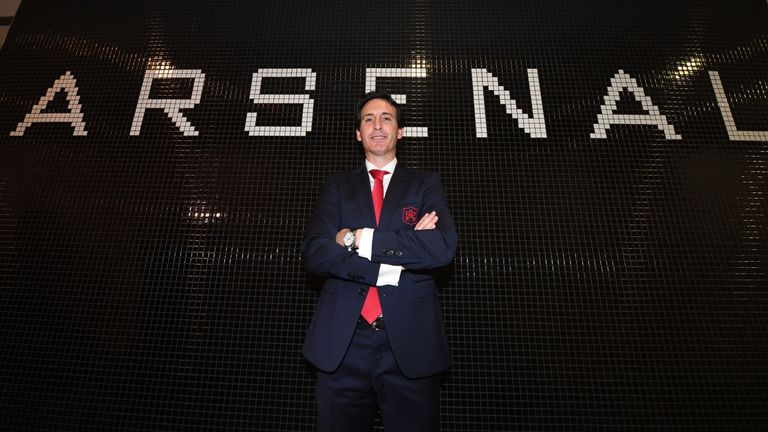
(340, 236)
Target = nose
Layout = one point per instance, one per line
(376, 124)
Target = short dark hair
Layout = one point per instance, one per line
(371, 96)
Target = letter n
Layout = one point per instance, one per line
(535, 125)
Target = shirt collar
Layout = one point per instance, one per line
(390, 167)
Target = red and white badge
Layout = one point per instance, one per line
(410, 215)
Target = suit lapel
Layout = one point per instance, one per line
(395, 189)
(361, 188)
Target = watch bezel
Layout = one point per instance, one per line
(349, 240)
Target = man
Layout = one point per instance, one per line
(377, 337)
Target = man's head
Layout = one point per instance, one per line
(373, 95)
(378, 127)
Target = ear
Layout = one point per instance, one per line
(399, 133)
(359, 137)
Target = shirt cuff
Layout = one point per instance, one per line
(365, 247)
(389, 275)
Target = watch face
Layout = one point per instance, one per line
(349, 238)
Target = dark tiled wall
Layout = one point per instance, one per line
(605, 162)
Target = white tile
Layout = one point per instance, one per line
(8, 7)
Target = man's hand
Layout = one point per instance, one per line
(427, 222)
(340, 236)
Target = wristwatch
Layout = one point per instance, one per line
(349, 240)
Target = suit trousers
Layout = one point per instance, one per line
(369, 378)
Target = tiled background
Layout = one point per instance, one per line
(608, 278)
(7, 11)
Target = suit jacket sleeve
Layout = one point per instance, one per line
(319, 250)
(423, 249)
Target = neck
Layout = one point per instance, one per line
(379, 161)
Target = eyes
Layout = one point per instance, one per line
(385, 119)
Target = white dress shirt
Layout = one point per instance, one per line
(388, 274)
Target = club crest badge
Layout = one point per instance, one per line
(410, 215)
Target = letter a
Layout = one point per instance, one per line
(607, 117)
(74, 117)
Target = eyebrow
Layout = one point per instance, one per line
(372, 114)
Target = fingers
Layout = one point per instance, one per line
(428, 221)
(340, 236)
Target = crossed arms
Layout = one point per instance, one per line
(431, 243)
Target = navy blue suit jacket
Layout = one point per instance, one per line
(411, 309)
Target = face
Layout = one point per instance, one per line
(379, 131)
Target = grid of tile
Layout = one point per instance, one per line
(606, 164)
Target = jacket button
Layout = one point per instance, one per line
(361, 291)
(399, 253)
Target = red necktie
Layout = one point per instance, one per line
(372, 307)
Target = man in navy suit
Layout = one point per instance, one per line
(377, 338)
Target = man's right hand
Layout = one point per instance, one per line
(427, 222)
